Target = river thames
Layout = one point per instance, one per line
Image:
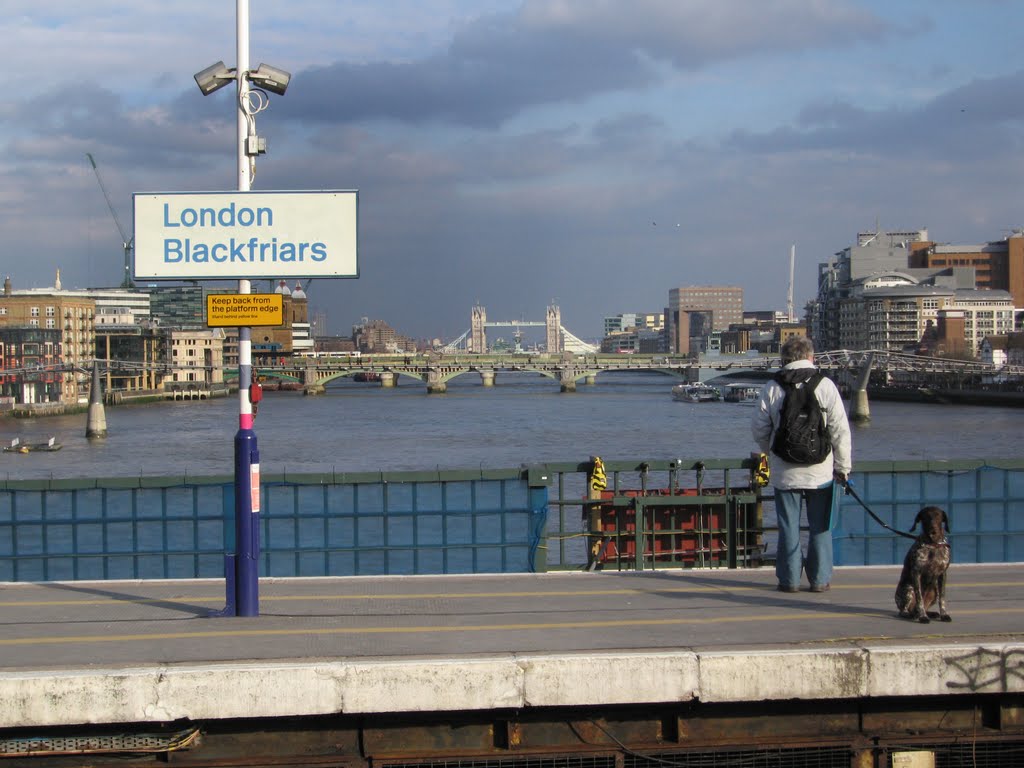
(523, 419)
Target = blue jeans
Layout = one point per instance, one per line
(788, 558)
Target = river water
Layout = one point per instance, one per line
(523, 419)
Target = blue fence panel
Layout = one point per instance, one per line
(397, 526)
(67, 530)
(983, 501)
(148, 528)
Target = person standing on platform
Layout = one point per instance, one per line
(799, 480)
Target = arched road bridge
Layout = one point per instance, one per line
(569, 370)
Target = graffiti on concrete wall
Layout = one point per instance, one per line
(988, 670)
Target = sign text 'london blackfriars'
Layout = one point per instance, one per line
(245, 235)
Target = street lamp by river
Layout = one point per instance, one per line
(242, 571)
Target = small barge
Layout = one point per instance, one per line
(17, 446)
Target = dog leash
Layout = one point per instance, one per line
(848, 488)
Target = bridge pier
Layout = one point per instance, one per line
(487, 377)
(567, 379)
(435, 383)
(591, 379)
(96, 421)
(859, 411)
(310, 386)
(388, 379)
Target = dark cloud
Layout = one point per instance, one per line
(59, 126)
(463, 89)
(544, 54)
(963, 123)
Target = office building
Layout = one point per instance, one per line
(195, 357)
(998, 265)
(697, 311)
(179, 306)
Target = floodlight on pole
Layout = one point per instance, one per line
(270, 79)
(265, 76)
(214, 77)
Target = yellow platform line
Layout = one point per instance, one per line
(694, 589)
(607, 624)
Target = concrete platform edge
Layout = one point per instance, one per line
(163, 693)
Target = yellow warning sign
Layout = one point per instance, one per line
(244, 309)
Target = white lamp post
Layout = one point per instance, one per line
(242, 570)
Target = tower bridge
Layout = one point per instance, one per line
(557, 338)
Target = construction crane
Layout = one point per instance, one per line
(126, 241)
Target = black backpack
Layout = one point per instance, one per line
(802, 437)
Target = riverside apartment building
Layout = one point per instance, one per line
(889, 288)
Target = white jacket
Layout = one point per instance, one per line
(765, 420)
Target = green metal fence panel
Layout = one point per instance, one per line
(655, 513)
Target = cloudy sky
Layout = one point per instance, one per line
(514, 153)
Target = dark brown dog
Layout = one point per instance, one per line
(923, 581)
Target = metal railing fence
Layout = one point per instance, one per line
(676, 513)
(655, 513)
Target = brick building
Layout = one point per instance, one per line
(71, 314)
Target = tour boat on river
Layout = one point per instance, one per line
(746, 394)
(696, 393)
